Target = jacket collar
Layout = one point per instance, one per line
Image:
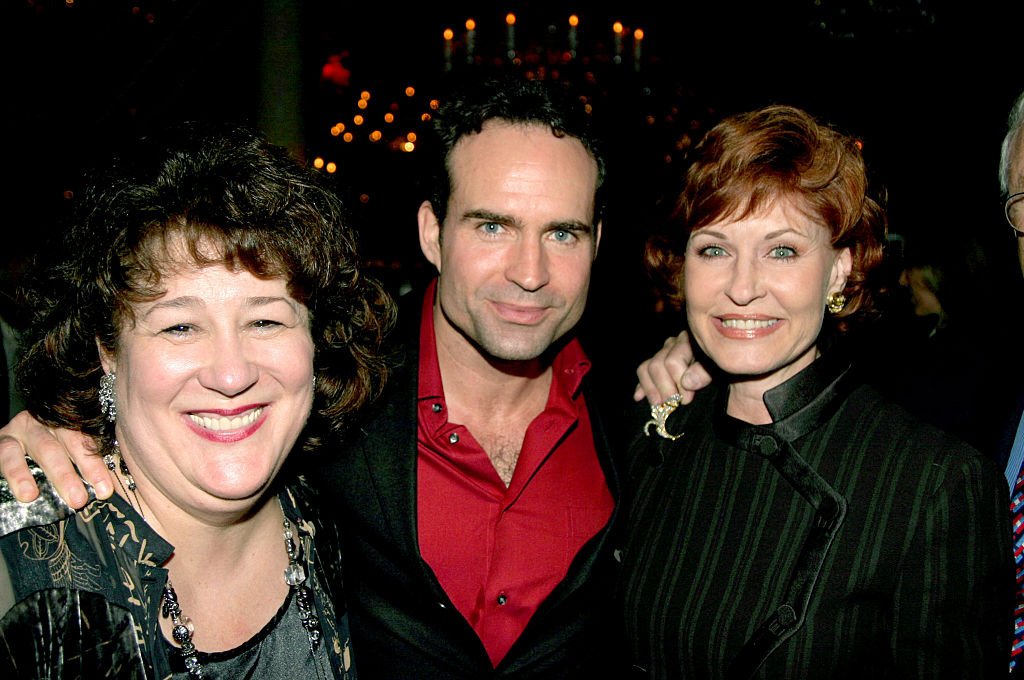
(797, 406)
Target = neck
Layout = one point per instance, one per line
(480, 383)
(202, 537)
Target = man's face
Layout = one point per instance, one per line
(515, 252)
(1016, 184)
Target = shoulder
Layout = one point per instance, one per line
(904, 444)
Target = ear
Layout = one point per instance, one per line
(597, 236)
(430, 234)
(841, 269)
(107, 361)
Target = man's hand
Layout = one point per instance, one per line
(56, 452)
(672, 370)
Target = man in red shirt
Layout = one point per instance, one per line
(476, 499)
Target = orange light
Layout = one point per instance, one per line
(860, 144)
(332, 167)
(425, 117)
(574, 20)
(449, 34)
(357, 119)
(347, 136)
(638, 34)
(408, 147)
(434, 104)
(411, 136)
(470, 25)
(364, 95)
(364, 198)
(361, 103)
(318, 163)
(617, 27)
(335, 131)
(410, 91)
(389, 118)
(510, 19)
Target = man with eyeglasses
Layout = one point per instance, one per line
(1011, 182)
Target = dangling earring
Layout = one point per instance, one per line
(835, 302)
(108, 403)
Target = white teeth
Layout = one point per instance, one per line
(219, 424)
(749, 324)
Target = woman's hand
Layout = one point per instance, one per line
(672, 370)
(57, 452)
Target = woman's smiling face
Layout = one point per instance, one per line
(214, 385)
(755, 290)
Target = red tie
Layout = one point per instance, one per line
(1017, 512)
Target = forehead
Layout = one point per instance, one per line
(216, 283)
(523, 159)
(783, 213)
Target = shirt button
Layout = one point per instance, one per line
(502, 599)
(436, 408)
(453, 438)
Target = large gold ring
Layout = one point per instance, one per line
(659, 414)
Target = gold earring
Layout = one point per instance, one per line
(835, 302)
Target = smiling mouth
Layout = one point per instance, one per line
(749, 324)
(221, 423)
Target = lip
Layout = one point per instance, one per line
(227, 425)
(523, 315)
(746, 326)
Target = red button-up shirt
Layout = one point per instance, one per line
(499, 552)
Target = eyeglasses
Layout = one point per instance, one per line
(1015, 212)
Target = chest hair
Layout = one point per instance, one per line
(503, 450)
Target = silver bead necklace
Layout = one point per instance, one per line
(182, 629)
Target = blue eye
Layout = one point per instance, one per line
(491, 228)
(783, 252)
(712, 251)
(563, 235)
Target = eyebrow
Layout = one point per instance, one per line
(767, 237)
(567, 225)
(188, 301)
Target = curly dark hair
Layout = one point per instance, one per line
(235, 200)
(512, 100)
(748, 161)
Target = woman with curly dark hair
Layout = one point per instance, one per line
(790, 522)
(203, 319)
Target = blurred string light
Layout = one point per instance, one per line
(369, 107)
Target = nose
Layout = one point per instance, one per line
(228, 369)
(745, 283)
(528, 265)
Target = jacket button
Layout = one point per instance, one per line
(767, 446)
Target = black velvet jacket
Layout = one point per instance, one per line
(846, 539)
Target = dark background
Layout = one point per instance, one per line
(925, 85)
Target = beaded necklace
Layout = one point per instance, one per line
(182, 628)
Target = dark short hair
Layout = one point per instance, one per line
(235, 200)
(750, 160)
(513, 100)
